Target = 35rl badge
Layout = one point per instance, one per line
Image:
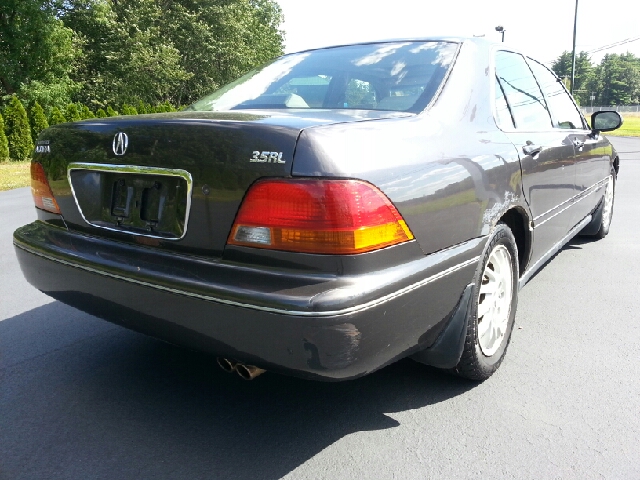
(267, 157)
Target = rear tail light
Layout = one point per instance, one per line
(41, 191)
(318, 216)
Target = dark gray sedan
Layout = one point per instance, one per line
(328, 213)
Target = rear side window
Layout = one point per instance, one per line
(563, 111)
(525, 99)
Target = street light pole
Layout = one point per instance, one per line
(573, 58)
(501, 29)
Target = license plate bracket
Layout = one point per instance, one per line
(144, 201)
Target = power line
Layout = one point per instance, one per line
(606, 47)
(616, 44)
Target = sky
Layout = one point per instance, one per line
(542, 29)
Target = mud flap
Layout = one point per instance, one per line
(447, 349)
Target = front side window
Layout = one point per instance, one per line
(563, 111)
(397, 76)
(525, 99)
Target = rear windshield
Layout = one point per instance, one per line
(397, 76)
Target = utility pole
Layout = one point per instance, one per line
(573, 61)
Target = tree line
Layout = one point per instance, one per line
(19, 127)
(615, 81)
(75, 59)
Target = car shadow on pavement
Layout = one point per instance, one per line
(81, 398)
(573, 244)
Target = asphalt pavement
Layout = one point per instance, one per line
(83, 399)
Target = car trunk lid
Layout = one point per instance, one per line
(172, 181)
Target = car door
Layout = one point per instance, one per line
(590, 158)
(546, 153)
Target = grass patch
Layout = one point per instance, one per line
(14, 175)
(630, 127)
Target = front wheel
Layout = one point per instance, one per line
(493, 310)
(607, 207)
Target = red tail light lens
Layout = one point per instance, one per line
(318, 216)
(41, 191)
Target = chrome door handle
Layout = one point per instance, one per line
(531, 149)
(579, 144)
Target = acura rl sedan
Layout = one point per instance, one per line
(328, 213)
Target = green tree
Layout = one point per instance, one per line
(584, 74)
(220, 41)
(617, 80)
(56, 117)
(4, 144)
(37, 52)
(18, 130)
(38, 120)
(157, 51)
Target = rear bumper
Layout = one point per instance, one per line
(317, 325)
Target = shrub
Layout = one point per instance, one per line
(100, 113)
(128, 109)
(111, 112)
(73, 113)
(56, 117)
(38, 120)
(4, 144)
(141, 108)
(85, 113)
(18, 130)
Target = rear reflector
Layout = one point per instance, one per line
(318, 216)
(41, 191)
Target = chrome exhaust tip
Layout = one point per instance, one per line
(227, 365)
(249, 372)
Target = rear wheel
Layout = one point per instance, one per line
(492, 312)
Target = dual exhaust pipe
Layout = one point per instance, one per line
(247, 372)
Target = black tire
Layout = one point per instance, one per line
(601, 222)
(478, 361)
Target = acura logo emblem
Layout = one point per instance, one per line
(120, 143)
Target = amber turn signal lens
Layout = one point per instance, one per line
(318, 216)
(41, 191)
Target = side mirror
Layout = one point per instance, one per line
(605, 121)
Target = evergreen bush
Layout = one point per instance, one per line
(18, 130)
(38, 120)
(141, 108)
(85, 113)
(56, 117)
(100, 113)
(111, 112)
(73, 113)
(4, 144)
(128, 109)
